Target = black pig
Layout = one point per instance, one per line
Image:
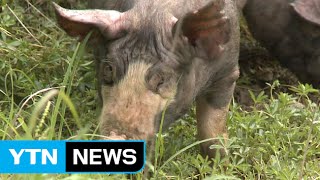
(290, 30)
(161, 55)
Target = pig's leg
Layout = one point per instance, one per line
(211, 112)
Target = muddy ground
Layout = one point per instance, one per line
(257, 68)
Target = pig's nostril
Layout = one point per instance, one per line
(114, 136)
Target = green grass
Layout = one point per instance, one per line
(47, 91)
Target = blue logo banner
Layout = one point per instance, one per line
(41, 156)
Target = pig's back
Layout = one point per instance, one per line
(177, 7)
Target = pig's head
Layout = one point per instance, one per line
(307, 34)
(144, 60)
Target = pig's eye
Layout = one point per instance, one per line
(108, 74)
(155, 81)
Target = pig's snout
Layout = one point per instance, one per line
(111, 129)
(116, 127)
(114, 136)
(130, 109)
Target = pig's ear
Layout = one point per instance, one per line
(308, 9)
(80, 22)
(208, 28)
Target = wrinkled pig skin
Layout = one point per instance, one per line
(159, 56)
(119, 5)
(290, 30)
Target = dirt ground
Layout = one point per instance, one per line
(257, 68)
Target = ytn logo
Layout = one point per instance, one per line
(52, 157)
